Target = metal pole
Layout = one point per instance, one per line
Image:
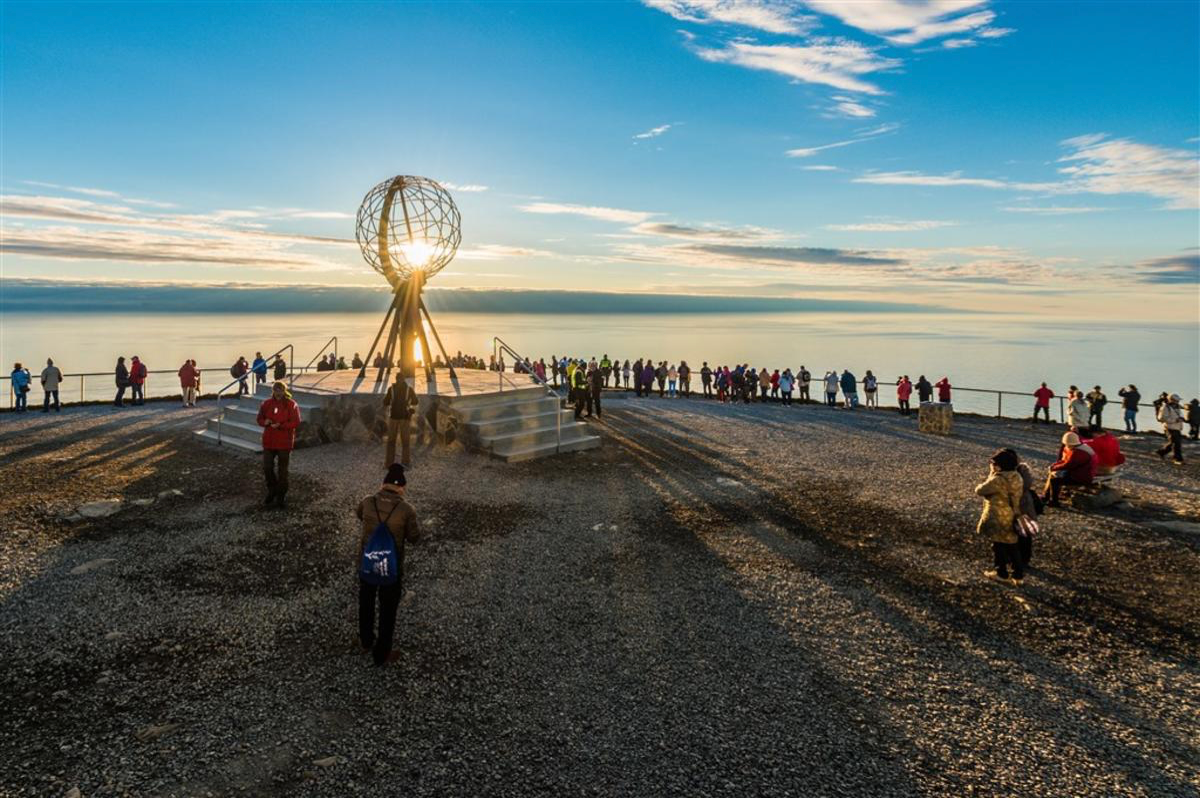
(1062, 415)
(81, 394)
(999, 404)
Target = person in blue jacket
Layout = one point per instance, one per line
(20, 387)
(850, 388)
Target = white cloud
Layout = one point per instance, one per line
(994, 33)
(806, 152)
(772, 16)
(954, 44)
(589, 211)
(951, 179)
(820, 167)
(853, 109)
(493, 252)
(1101, 165)
(653, 132)
(908, 21)
(830, 62)
(891, 227)
(1053, 210)
(470, 188)
(320, 215)
(705, 232)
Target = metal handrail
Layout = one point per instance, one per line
(499, 346)
(334, 341)
(237, 380)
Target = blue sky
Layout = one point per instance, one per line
(1042, 156)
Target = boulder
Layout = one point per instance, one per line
(1105, 497)
(355, 432)
(936, 417)
(91, 565)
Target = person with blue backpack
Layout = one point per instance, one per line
(388, 522)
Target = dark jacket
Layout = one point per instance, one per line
(1129, 399)
(401, 403)
(924, 390)
(122, 376)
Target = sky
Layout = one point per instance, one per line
(1030, 157)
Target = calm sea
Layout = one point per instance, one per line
(979, 351)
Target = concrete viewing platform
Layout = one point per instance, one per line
(465, 383)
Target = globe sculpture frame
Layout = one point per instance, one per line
(408, 229)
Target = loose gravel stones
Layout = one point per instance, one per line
(720, 600)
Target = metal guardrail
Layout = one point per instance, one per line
(498, 347)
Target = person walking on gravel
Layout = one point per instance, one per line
(51, 379)
(279, 416)
(389, 508)
(1170, 415)
(1001, 493)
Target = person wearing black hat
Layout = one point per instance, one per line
(389, 507)
(400, 399)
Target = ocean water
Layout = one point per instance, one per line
(978, 351)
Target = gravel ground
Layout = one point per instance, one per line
(721, 600)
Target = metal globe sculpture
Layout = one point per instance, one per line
(408, 224)
(408, 230)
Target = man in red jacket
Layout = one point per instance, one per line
(137, 381)
(1042, 397)
(279, 417)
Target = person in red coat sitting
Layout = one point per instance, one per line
(1076, 465)
(1108, 452)
(279, 417)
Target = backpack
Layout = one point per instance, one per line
(233, 370)
(380, 559)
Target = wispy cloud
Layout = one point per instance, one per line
(99, 192)
(848, 107)
(1096, 164)
(1101, 165)
(470, 188)
(705, 232)
(494, 252)
(820, 167)
(908, 21)
(772, 16)
(806, 152)
(653, 132)
(891, 227)
(1053, 210)
(740, 256)
(830, 62)
(1177, 270)
(589, 211)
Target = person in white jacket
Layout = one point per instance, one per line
(1170, 414)
(831, 388)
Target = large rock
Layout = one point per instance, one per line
(1105, 497)
(91, 565)
(355, 431)
(100, 509)
(936, 417)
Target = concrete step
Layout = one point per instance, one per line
(305, 400)
(533, 437)
(516, 454)
(244, 414)
(507, 408)
(525, 393)
(251, 433)
(500, 426)
(209, 436)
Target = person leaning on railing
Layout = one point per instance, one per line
(51, 379)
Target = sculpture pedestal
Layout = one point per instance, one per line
(936, 417)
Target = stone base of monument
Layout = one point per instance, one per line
(512, 421)
(936, 417)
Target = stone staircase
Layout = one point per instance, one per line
(239, 428)
(521, 424)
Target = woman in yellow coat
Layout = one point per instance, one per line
(1001, 493)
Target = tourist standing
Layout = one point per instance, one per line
(849, 388)
(1031, 508)
(20, 379)
(122, 379)
(1193, 419)
(924, 389)
(187, 384)
(904, 389)
(1096, 400)
(706, 378)
(279, 416)
(387, 508)
(259, 368)
(51, 378)
(786, 382)
(1129, 401)
(672, 380)
(685, 379)
(943, 388)
(605, 368)
(647, 377)
(596, 382)
(1077, 410)
(625, 371)
(1170, 415)
(400, 400)
(280, 370)
(1041, 403)
(871, 388)
(137, 381)
(578, 389)
(1001, 493)
(804, 378)
(660, 374)
(764, 384)
(356, 362)
(241, 368)
(831, 388)
(775, 384)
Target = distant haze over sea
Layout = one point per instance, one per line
(36, 296)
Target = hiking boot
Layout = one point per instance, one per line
(267, 502)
